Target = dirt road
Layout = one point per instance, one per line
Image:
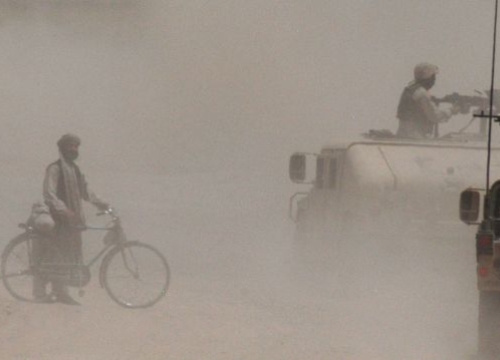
(240, 291)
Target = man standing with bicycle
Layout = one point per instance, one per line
(64, 188)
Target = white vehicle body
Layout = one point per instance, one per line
(385, 213)
(384, 182)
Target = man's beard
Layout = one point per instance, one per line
(70, 155)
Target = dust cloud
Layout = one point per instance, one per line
(188, 111)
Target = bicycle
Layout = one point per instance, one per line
(134, 274)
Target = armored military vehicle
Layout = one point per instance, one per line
(384, 181)
(392, 203)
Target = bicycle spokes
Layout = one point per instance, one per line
(136, 275)
(130, 262)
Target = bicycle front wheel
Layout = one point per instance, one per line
(135, 275)
(17, 268)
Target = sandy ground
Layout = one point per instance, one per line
(241, 290)
(183, 87)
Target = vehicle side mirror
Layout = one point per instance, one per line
(297, 168)
(469, 206)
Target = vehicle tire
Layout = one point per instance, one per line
(135, 275)
(489, 325)
(17, 268)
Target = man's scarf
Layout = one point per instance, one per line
(74, 188)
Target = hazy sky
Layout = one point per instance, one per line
(197, 84)
(177, 86)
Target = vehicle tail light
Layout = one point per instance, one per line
(484, 243)
(483, 271)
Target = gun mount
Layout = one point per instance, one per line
(465, 103)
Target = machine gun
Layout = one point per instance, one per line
(464, 102)
(481, 104)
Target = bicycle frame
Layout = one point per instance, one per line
(114, 237)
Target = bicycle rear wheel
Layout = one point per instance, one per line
(17, 268)
(135, 275)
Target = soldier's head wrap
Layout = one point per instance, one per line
(425, 71)
(68, 139)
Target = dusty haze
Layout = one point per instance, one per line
(188, 111)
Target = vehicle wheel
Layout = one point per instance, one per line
(17, 268)
(135, 275)
(489, 325)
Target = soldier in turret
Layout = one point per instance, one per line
(418, 115)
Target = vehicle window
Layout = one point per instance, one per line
(332, 173)
(320, 167)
